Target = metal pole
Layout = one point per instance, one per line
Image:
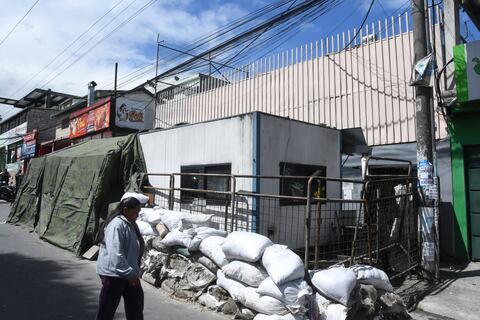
(115, 82)
(424, 136)
(156, 75)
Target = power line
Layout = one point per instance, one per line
(248, 34)
(362, 24)
(66, 48)
(298, 20)
(139, 11)
(19, 21)
(215, 34)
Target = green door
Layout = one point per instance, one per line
(472, 164)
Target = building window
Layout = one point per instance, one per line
(65, 123)
(298, 187)
(202, 182)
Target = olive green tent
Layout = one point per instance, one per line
(65, 195)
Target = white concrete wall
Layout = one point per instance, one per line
(215, 142)
(296, 142)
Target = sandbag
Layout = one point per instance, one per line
(372, 276)
(146, 228)
(175, 219)
(335, 283)
(214, 298)
(234, 288)
(139, 196)
(245, 246)
(282, 264)
(293, 294)
(196, 220)
(209, 264)
(201, 233)
(245, 272)
(162, 230)
(199, 277)
(211, 247)
(324, 309)
(172, 219)
(150, 215)
(179, 237)
(263, 304)
(287, 316)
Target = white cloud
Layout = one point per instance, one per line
(52, 25)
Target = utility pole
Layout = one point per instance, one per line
(424, 132)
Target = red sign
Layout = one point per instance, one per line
(30, 136)
(91, 119)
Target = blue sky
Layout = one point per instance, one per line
(52, 25)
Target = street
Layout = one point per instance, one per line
(40, 281)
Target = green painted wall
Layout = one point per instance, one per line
(464, 129)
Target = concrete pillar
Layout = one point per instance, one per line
(452, 38)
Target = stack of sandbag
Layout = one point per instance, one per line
(286, 280)
(264, 277)
(190, 259)
(357, 292)
(147, 222)
(159, 222)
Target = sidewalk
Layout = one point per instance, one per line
(455, 296)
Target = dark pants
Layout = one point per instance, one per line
(112, 290)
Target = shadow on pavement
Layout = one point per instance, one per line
(43, 289)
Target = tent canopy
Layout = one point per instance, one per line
(65, 195)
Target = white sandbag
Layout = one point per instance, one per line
(234, 288)
(205, 232)
(175, 219)
(201, 233)
(146, 228)
(287, 316)
(172, 219)
(245, 246)
(335, 283)
(179, 237)
(245, 272)
(263, 304)
(211, 247)
(372, 276)
(324, 309)
(150, 215)
(282, 264)
(139, 196)
(293, 294)
(196, 220)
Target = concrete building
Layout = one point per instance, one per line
(247, 145)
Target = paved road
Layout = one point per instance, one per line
(41, 282)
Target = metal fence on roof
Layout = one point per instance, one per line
(326, 82)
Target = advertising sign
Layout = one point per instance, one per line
(29, 149)
(13, 135)
(131, 113)
(29, 145)
(467, 71)
(91, 119)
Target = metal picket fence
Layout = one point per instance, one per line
(309, 214)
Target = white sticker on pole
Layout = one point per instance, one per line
(425, 173)
(428, 251)
(426, 220)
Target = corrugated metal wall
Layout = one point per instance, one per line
(365, 85)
